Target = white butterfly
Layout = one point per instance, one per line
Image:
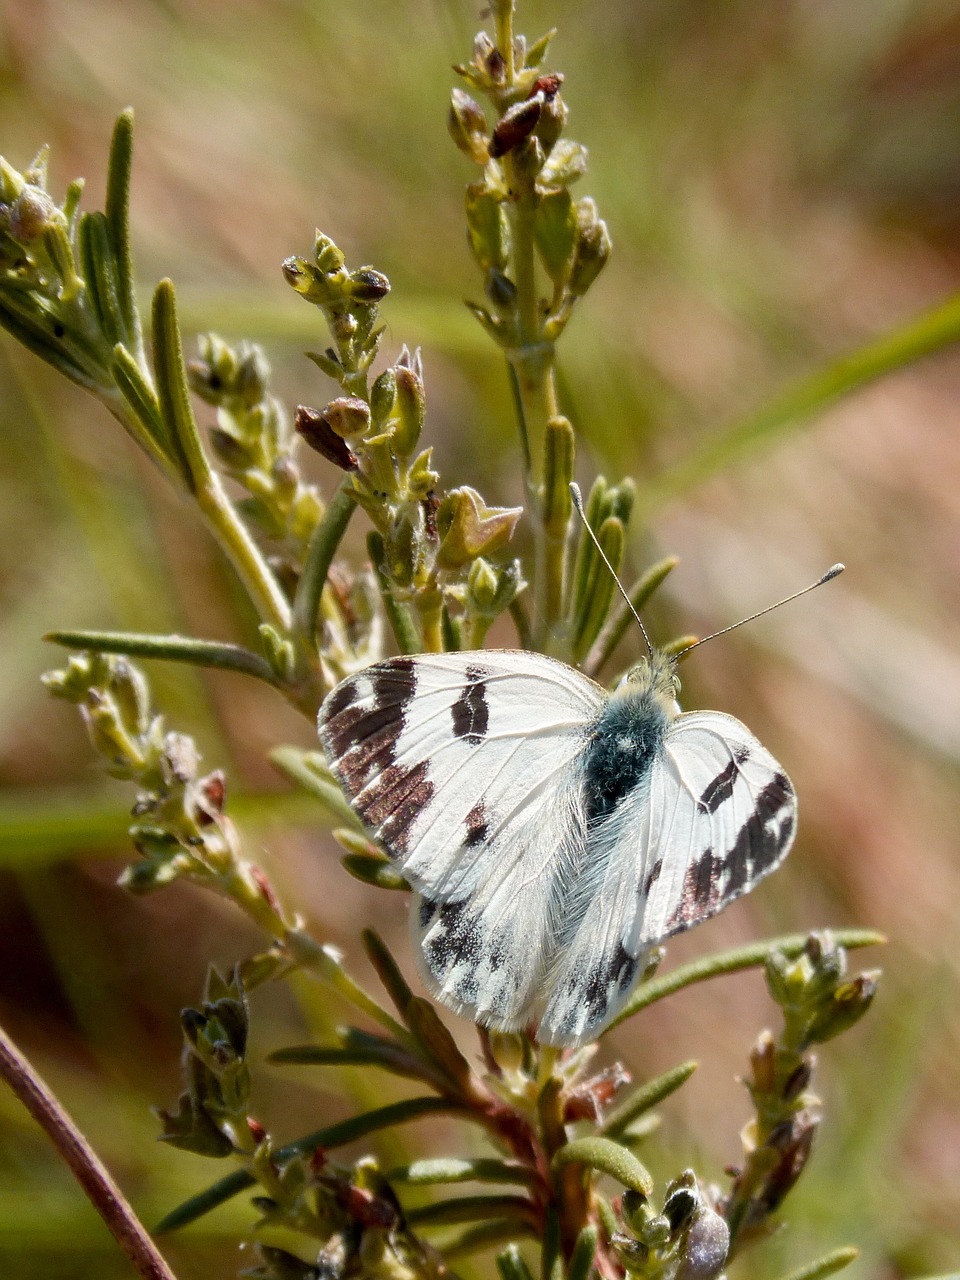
(554, 833)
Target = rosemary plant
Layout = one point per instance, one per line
(559, 1190)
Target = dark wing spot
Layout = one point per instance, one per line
(394, 802)
(453, 937)
(477, 826)
(616, 974)
(764, 836)
(720, 789)
(700, 893)
(428, 912)
(470, 712)
(653, 877)
(361, 740)
(741, 753)
(339, 700)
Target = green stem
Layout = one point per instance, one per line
(243, 553)
(750, 957)
(200, 653)
(323, 545)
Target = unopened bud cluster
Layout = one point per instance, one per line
(818, 1003)
(179, 828)
(528, 167)
(435, 551)
(256, 444)
(686, 1240)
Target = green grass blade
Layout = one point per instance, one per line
(927, 333)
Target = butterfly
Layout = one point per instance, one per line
(554, 834)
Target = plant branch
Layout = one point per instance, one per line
(102, 1191)
(749, 957)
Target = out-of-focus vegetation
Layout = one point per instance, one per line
(780, 182)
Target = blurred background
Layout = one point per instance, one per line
(782, 184)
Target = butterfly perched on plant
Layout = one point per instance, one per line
(554, 833)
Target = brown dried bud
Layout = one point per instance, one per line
(312, 426)
(588, 1100)
(517, 123)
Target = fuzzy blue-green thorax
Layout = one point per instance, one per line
(628, 735)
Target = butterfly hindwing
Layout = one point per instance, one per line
(464, 767)
(714, 815)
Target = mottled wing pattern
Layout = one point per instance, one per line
(715, 814)
(465, 767)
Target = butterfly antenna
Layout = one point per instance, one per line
(833, 572)
(578, 503)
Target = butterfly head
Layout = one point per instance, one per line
(655, 676)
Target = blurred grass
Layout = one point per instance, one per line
(781, 186)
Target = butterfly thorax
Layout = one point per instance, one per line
(628, 735)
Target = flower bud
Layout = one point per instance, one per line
(593, 248)
(566, 163)
(367, 285)
(31, 215)
(411, 410)
(488, 230)
(704, 1251)
(382, 396)
(845, 1007)
(468, 126)
(515, 125)
(348, 416)
(469, 528)
(313, 427)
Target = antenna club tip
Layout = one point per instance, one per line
(576, 495)
(833, 572)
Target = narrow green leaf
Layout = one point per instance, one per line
(485, 1236)
(371, 1051)
(324, 541)
(117, 209)
(172, 389)
(426, 1173)
(99, 270)
(599, 593)
(584, 1254)
(749, 957)
(142, 400)
(929, 332)
(398, 615)
(307, 770)
(606, 1157)
(616, 628)
(587, 558)
(336, 1135)
(551, 1252)
(833, 1262)
(39, 334)
(388, 971)
(473, 1209)
(374, 870)
(645, 1097)
(511, 1265)
(438, 1044)
(201, 653)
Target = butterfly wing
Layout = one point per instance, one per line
(715, 814)
(465, 767)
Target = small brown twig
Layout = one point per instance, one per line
(86, 1167)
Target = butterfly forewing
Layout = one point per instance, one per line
(465, 767)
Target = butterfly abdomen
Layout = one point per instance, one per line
(626, 741)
